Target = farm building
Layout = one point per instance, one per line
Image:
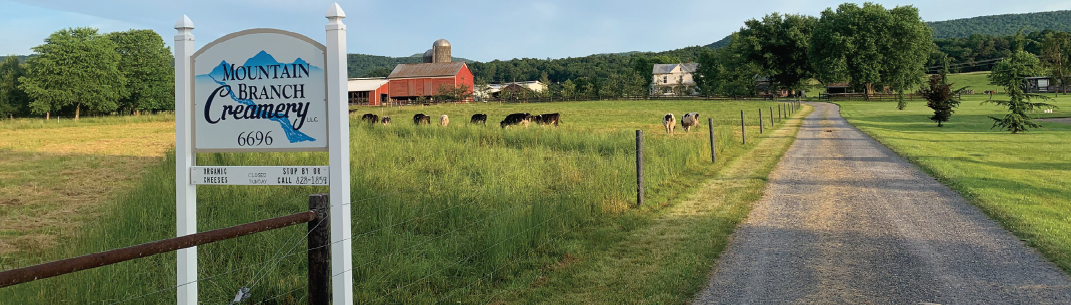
(1043, 84)
(668, 77)
(409, 81)
(368, 91)
(833, 88)
(492, 90)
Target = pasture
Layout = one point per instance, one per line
(1018, 179)
(454, 213)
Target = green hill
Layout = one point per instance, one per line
(1002, 25)
(361, 65)
(995, 25)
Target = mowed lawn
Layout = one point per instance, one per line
(449, 214)
(1021, 180)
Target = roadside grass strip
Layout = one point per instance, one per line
(668, 258)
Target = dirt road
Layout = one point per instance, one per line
(845, 220)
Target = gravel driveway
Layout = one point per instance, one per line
(845, 220)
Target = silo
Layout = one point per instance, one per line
(427, 56)
(440, 51)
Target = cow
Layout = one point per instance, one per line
(352, 111)
(444, 120)
(516, 119)
(421, 119)
(547, 119)
(371, 118)
(690, 120)
(479, 118)
(386, 120)
(670, 122)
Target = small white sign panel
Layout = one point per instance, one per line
(260, 90)
(259, 175)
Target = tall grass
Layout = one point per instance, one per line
(435, 209)
(56, 122)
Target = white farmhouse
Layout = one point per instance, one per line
(674, 79)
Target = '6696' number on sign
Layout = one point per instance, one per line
(254, 138)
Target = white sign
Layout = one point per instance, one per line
(259, 175)
(260, 90)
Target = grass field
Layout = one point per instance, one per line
(440, 213)
(1021, 180)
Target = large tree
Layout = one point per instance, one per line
(725, 72)
(147, 65)
(12, 99)
(75, 67)
(778, 46)
(1056, 57)
(1011, 73)
(871, 46)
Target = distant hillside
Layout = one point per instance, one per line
(22, 58)
(1002, 25)
(360, 65)
(995, 25)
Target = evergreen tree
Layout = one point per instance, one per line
(1011, 73)
(941, 98)
(75, 67)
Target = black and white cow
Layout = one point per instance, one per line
(371, 118)
(516, 119)
(670, 122)
(690, 120)
(547, 119)
(421, 119)
(386, 120)
(479, 118)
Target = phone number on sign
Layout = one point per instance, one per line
(306, 180)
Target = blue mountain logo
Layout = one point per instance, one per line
(262, 66)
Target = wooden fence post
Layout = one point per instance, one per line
(713, 152)
(761, 124)
(779, 115)
(639, 168)
(319, 252)
(743, 132)
(771, 117)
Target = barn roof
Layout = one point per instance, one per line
(426, 70)
(365, 84)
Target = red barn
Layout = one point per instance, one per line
(409, 81)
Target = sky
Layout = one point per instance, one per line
(477, 30)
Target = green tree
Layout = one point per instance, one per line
(778, 46)
(1011, 74)
(941, 98)
(568, 89)
(725, 72)
(1055, 57)
(12, 99)
(147, 65)
(378, 72)
(871, 46)
(75, 67)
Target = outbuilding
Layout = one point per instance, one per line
(367, 91)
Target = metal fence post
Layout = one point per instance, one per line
(319, 253)
(713, 152)
(743, 132)
(639, 168)
(761, 124)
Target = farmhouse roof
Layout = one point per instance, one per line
(426, 70)
(668, 68)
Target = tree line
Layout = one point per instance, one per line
(81, 71)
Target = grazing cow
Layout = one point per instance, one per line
(371, 118)
(421, 119)
(386, 120)
(547, 119)
(479, 118)
(444, 120)
(516, 119)
(352, 111)
(670, 122)
(690, 120)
